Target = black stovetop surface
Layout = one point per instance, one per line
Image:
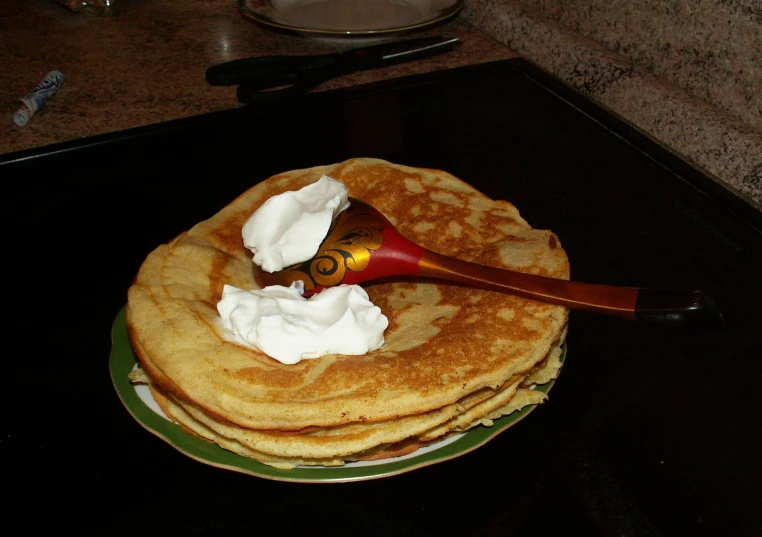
(648, 431)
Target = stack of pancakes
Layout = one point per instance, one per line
(454, 357)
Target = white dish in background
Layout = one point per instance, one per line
(349, 18)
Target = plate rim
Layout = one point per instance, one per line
(123, 359)
(259, 17)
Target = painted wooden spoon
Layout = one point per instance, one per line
(363, 245)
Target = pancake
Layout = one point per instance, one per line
(454, 357)
(360, 441)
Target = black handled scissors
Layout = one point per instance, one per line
(271, 77)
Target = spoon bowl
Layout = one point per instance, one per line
(363, 245)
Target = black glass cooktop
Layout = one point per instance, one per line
(648, 431)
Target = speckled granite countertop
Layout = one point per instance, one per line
(145, 63)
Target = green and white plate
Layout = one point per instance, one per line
(140, 404)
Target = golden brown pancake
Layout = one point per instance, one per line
(454, 357)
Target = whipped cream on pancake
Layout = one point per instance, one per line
(289, 228)
(283, 324)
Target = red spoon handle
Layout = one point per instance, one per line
(679, 307)
(619, 301)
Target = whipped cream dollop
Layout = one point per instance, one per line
(289, 227)
(283, 324)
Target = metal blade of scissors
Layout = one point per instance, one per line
(286, 68)
(271, 77)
